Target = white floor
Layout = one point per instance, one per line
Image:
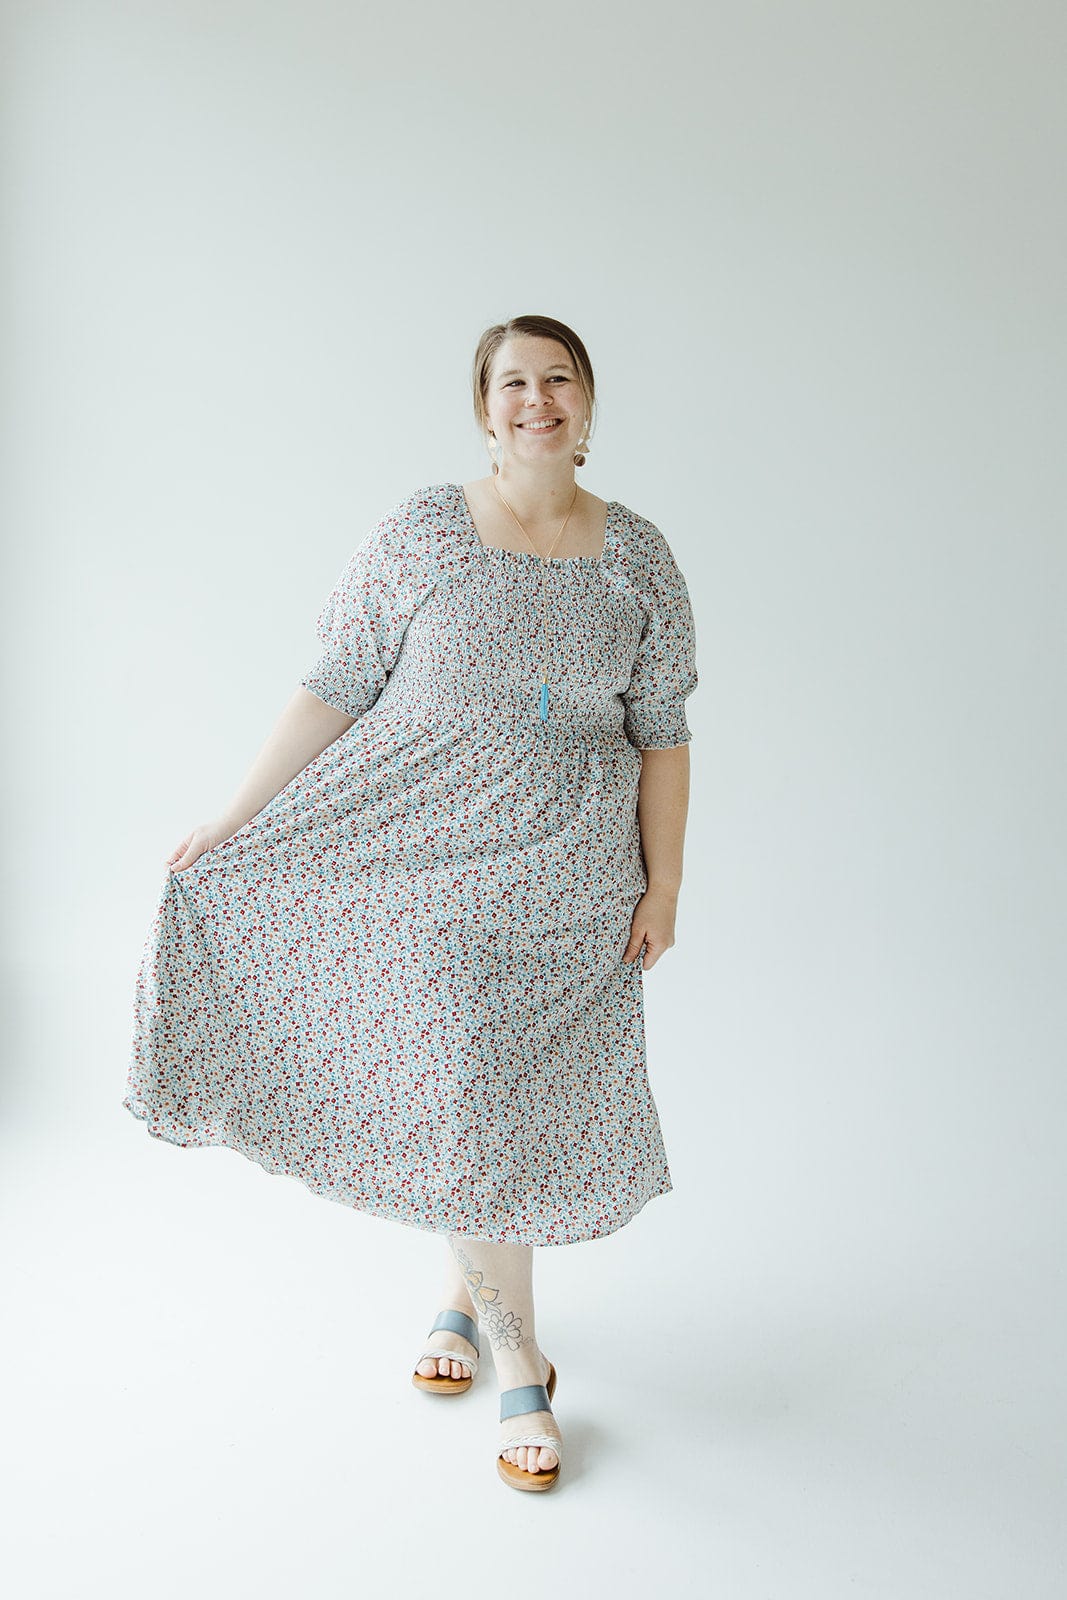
(208, 1393)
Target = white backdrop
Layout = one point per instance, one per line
(816, 252)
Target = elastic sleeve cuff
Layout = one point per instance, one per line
(666, 729)
(333, 680)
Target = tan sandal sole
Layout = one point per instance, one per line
(441, 1385)
(520, 1479)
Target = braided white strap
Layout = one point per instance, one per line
(535, 1438)
(453, 1355)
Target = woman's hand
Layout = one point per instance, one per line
(652, 926)
(197, 843)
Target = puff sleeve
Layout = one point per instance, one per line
(664, 670)
(362, 624)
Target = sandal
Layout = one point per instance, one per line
(451, 1322)
(515, 1403)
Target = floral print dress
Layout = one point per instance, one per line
(402, 981)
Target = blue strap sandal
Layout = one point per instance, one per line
(516, 1403)
(450, 1322)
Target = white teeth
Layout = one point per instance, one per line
(540, 427)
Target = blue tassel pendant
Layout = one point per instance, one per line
(544, 702)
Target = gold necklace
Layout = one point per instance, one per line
(544, 560)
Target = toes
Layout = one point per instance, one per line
(531, 1458)
(442, 1367)
(534, 1458)
(447, 1368)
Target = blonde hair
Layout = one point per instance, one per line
(539, 328)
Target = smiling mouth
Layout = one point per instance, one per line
(542, 425)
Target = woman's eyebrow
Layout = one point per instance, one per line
(557, 366)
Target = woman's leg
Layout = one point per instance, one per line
(453, 1297)
(499, 1280)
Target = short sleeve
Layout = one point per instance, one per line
(362, 624)
(664, 670)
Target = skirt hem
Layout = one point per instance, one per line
(599, 1228)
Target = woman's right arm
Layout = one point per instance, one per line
(304, 729)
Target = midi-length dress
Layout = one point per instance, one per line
(402, 981)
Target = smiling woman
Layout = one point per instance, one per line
(406, 965)
(566, 386)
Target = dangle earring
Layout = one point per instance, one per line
(582, 450)
(494, 446)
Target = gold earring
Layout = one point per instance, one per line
(490, 447)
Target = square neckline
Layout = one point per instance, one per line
(531, 555)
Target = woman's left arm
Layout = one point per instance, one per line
(662, 808)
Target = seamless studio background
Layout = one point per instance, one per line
(817, 254)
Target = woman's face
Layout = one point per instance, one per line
(533, 380)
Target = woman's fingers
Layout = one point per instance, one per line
(650, 957)
(176, 855)
(191, 849)
(639, 935)
(651, 927)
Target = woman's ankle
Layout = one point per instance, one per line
(516, 1368)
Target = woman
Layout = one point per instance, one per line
(405, 964)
